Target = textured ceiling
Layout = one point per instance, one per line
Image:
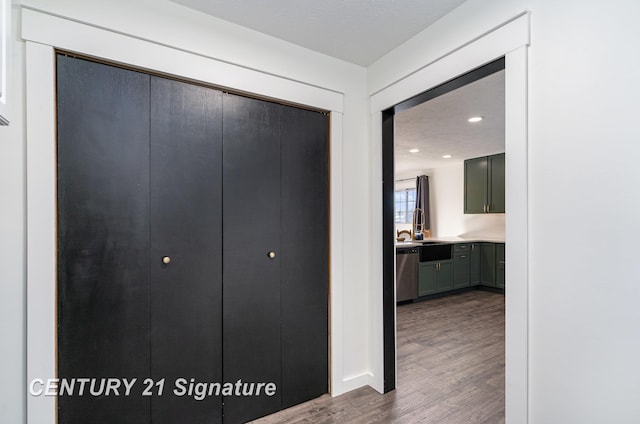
(362, 31)
(440, 126)
(357, 31)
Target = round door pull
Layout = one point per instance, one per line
(271, 254)
(166, 260)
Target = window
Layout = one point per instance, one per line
(405, 204)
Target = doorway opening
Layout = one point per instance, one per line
(398, 178)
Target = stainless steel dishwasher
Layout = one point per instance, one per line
(406, 273)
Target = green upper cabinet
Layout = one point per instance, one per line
(484, 184)
(495, 203)
(476, 185)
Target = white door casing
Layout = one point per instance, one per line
(509, 39)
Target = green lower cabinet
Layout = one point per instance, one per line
(474, 264)
(488, 264)
(461, 270)
(427, 278)
(444, 277)
(500, 265)
(435, 277)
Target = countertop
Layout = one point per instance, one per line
(415, 243)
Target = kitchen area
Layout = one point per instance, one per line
(450, 237)
(425, 268)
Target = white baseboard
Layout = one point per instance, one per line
(355, 382)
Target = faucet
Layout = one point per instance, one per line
(419, 232)
(415, 227)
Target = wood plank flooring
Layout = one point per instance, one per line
(450, 369)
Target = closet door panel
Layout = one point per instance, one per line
(186, 228)
(103, 212)
(251, 211)
(304, 258)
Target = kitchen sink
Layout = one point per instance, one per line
(435, 252)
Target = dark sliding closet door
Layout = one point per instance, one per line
(185, 227)
(103, 236)
(137, 184)
(193, 242)
(276, 191)
(251, 209)
(305, 255)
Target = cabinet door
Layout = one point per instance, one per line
(461, 270)
(474, 266)
(500, 266)
(444, 277)
(103, 236)
(488, 264)
(251, 212)
(186, 226)
(475, 185)
(496, 184)
(427, 277)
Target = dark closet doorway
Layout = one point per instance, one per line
(180, 211)
(388, 219)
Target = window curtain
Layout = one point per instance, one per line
(422, 200)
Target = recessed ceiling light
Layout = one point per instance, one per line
(476, 119)
(446, 157)
(414, 150)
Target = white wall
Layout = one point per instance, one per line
(12, 255)
(446, 202)
(447, 185)
(584, 288)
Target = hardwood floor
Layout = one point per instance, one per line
(450, 369)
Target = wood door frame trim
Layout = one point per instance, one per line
(41, 42)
